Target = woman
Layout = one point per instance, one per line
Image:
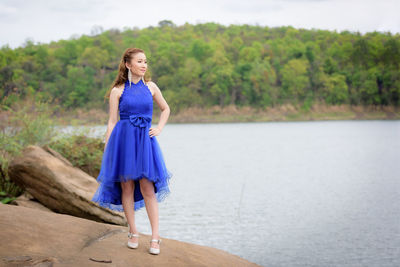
(133, 172)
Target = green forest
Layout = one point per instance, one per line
(211, 64)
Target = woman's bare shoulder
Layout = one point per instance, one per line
(153, 86)
(151, 83)
(117, 90)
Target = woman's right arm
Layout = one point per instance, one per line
(113, 113)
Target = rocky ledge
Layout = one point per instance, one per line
(34, 237)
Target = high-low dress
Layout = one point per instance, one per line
(130, 153)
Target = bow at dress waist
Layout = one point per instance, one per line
(138, 120)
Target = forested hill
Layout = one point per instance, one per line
(211, 64)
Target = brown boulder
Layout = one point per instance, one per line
(59, 186)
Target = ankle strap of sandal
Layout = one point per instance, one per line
(156, 240)
(130, 235)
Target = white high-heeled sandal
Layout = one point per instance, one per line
(130, 235)
(132, 244)
(155, 250)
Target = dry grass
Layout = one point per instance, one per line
(286, 112)
(231, 113)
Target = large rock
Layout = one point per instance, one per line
(31, 237)
(59, 186)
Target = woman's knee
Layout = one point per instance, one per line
(128, 187)
(146, 187)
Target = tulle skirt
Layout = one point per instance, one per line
(131, 154)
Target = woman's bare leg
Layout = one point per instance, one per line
(147, 190)
(127, 202)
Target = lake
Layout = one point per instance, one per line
(318, 193)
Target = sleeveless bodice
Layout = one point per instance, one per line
(136, 104)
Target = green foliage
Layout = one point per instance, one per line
(28, 124)
(200, 50)
(94, 57)
(335, 89)
(294, 78)
(82, 151)
(211, 64)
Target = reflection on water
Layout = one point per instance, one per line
(323, 193)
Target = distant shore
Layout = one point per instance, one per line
(231, 113)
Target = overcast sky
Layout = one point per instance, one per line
(47, 20)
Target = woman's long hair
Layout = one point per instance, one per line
(122, 75)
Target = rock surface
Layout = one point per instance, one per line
(27, 200)
(59, 186)
(32, 237)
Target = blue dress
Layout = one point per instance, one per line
(130, 153)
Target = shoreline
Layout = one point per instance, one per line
(232, 114)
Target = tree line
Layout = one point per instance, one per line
(212, 64)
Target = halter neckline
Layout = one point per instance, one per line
(132, 83)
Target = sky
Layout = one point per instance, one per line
(42, 21)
